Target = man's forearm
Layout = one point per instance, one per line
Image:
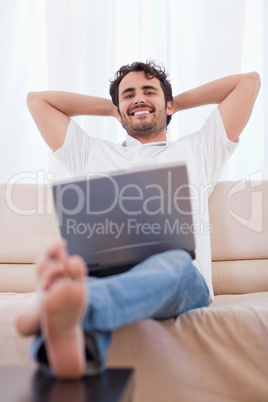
(51, 111)
(72, 104)
(211, 93)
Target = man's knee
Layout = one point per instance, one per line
(189, 284)
(171, 260)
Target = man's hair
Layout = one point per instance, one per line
(151, 70)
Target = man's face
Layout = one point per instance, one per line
(142, 106)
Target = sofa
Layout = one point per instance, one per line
(219, 353)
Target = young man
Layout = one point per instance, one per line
(76, 316)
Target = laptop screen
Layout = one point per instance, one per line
(126, 216)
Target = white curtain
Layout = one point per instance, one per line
(77, 45)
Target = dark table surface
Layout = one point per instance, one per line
(19, 384)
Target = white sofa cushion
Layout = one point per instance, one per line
(239, 219)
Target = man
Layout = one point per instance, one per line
(76, 318)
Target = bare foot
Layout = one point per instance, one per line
(61, 315)
(27, 322)
(59, 312)
(50, 267)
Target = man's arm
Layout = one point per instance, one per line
(235, 95)
(52, 110)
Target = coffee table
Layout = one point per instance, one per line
(19, 384)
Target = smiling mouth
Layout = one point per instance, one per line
(143, 112)
(140, 112)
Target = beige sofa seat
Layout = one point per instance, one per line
(214, 354)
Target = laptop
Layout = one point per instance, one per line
(115, 221)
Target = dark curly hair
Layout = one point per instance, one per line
(151, 70)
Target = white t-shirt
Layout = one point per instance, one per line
(204, 152)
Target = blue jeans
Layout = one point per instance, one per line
(161, 287)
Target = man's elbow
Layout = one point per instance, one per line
(31, 98)
(250, 85)
(255, 80)
(34, 102)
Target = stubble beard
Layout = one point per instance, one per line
(146, 129)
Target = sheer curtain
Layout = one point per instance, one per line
(22, 68)
(77, 45)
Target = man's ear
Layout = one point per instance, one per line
(170, 108)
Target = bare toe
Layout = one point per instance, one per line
(77, 267)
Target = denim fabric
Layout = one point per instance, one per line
(163, 286)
